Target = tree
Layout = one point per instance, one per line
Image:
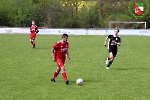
(100, 2)
(65, 13)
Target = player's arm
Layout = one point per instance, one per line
(53, 50)
(68, 55)
(105, 41)
(37, 30)
(119, 42)
(53, 54)
(30, 29)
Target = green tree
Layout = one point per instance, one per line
(65, 13)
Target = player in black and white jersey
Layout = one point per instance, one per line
(114, 42)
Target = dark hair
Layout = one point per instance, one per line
(65, 35)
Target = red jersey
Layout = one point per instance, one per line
(33, 29)
(60, 49)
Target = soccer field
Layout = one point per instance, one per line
(25, 72)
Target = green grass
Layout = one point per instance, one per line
(25, 72)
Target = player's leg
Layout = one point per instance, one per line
(32, 40)
(111, 57)
(34, 43)
(63, 71)
(64, 75)
(55, 74)
(107, 60)
(60, 64)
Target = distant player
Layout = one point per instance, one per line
(59, 52)
(114, 41)
(33, 31)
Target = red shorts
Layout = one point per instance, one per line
(32, 36)
(60, 62)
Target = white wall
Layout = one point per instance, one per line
(76, 31)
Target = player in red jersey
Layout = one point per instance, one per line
(34, 30)
(59, 52)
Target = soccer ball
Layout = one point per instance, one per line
(79, 81)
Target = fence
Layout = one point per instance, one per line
(76, 31)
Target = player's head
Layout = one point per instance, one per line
(65, 37)
(116, 31)
(33, 22)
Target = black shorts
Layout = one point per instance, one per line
(113, 51)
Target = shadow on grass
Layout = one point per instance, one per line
(85, 82)
(143, 68)
(40, 48)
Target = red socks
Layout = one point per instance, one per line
(55, 74)
(64, 75)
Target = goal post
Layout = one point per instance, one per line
(127, 25)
